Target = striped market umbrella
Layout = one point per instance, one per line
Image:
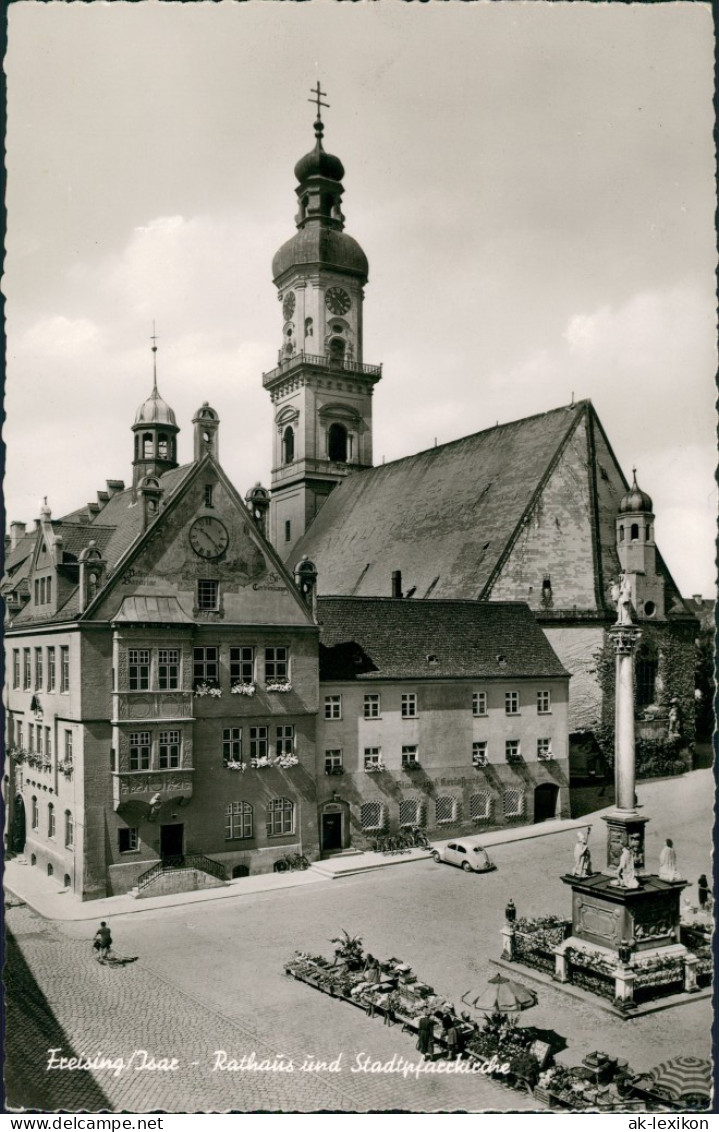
(680, 1078)
(502, 995)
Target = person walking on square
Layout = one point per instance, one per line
(703, 891)
(102, 941)
(425, 1036)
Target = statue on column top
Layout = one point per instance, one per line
(668, 862)
(622, 598)
(626, 877)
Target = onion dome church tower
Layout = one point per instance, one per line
(321, 389)
(155, 430)
(637, 552)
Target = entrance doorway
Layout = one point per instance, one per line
(331, 832)
(171, 840)
(17, 838)
(546, 801)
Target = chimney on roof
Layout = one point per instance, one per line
(115, 486)
(696, 598)
(396, 583)
(38, 523)
(17, 531)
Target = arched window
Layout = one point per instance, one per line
(69, 830)
(238, 821)
(309, 328)
(288, 445)
(372, 815)
(337, 443)
(480, 806)
(409, 812)
(163, 446)
(646, 675)
(446, 810)
(50, 870)
(50, 820)
(137, 446)
(148, 445)
(337, 351)
(35, 813)
(649, 532)
(280, 817)
(67, 880)
(634, 533)
(621, 533)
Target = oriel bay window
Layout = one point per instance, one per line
(258, 742)
(238, 821)
(168, 669)
(139, 750)
(280, 817)
(169, 749)
(242, 665)
(138, 666)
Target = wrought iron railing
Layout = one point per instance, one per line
(185, 861)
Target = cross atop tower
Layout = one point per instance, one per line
(319, 94)
(153, 338)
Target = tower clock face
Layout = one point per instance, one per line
(288, 307)
(337, 300)
(209, 537)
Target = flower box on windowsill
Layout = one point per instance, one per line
(242, 689)
(208, 689)
(374, 768)
(18, 753)
(545, 757)
(411, 766)
(514, 759)
(282, 761)
(279, 686)
(480, 762)
(334, 770)
(46, 764)
(66, 769)
(231, 764)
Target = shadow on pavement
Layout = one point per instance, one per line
(31, 1029)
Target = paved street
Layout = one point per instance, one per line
(209, 977)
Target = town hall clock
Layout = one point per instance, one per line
(209, 537)
(337, 300)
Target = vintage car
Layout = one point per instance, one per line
(466, 853)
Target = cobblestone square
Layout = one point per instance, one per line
(209, 977)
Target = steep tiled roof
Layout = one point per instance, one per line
(114, 528)
(388, 638)
(442, 517)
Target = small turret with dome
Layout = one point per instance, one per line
(155, 429)
(637, 552)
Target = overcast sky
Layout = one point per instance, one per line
(533, 185)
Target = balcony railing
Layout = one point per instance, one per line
(322, 361)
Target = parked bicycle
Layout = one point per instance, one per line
(390, 844)
(290, 862)
(415, 838)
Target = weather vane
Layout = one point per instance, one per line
(319, 94)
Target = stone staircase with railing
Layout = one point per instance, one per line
(190, 872)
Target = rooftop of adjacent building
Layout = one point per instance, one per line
(376, 638)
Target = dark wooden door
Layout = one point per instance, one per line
(171, 840)
(331, 832)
